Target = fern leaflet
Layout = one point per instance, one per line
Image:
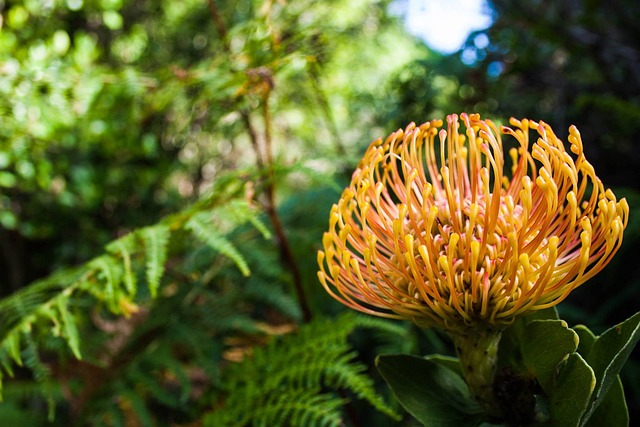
(123, 246)
(284, 383)
(203, 230)
(69, 327)
(43, 306)
(156, 239)
(243, 212)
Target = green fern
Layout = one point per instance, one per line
(295, 379)
(125, 246)
(111, 278)
(297, 407)
(110, 273)
(272, 296)
(156, 240)
(183, 333)
(69, 327)
(350, 376)
(204, 230)
(241, 212)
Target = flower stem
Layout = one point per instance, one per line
(478, 355)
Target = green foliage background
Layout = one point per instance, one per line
(166, 173)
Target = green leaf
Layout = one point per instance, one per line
(122, 246)
(112, 19)
(49, 312)
(509, 350)
(110, 271)
(608, 354)
(12, 345)
(449, 362)
(348, 375)
(156, 240)
(212, 237)
(572, 392)
(613, 410)
(243, 212)
(586, 339)
(70, 330)
(546, 345)
(434, 394)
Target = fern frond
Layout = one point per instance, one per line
(109, 270)
(204, 230)
(350, 376)
(156, 239)
(40, 371)
(19, 308)
(32, 359)
(300, 408)
(21, 389)
(11, 345)
(286, 408)
(274, 297)
(299, 368)
(110, 278)
(69, 327)
(124, 246)
(43, 306)
(243, 212)
(313, 175)
(393, 329)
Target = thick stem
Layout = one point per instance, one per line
(478, 353)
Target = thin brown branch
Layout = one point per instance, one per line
(264, 162)
(253, 138)
(286, 254)
(219, 23)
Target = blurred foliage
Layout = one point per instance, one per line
(115, 113)
(175, 163)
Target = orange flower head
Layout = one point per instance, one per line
(434, 229)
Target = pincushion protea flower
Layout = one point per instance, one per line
(432, 228)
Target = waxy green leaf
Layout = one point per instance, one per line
(612, 411)
(547, 344)
(572, 392)
(607, 356)
(434, 394)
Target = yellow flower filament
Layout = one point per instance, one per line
(433, 229)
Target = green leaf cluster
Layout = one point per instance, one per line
(111, 278)
(548, 375)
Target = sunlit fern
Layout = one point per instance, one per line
(305, 378)
(112, 278)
